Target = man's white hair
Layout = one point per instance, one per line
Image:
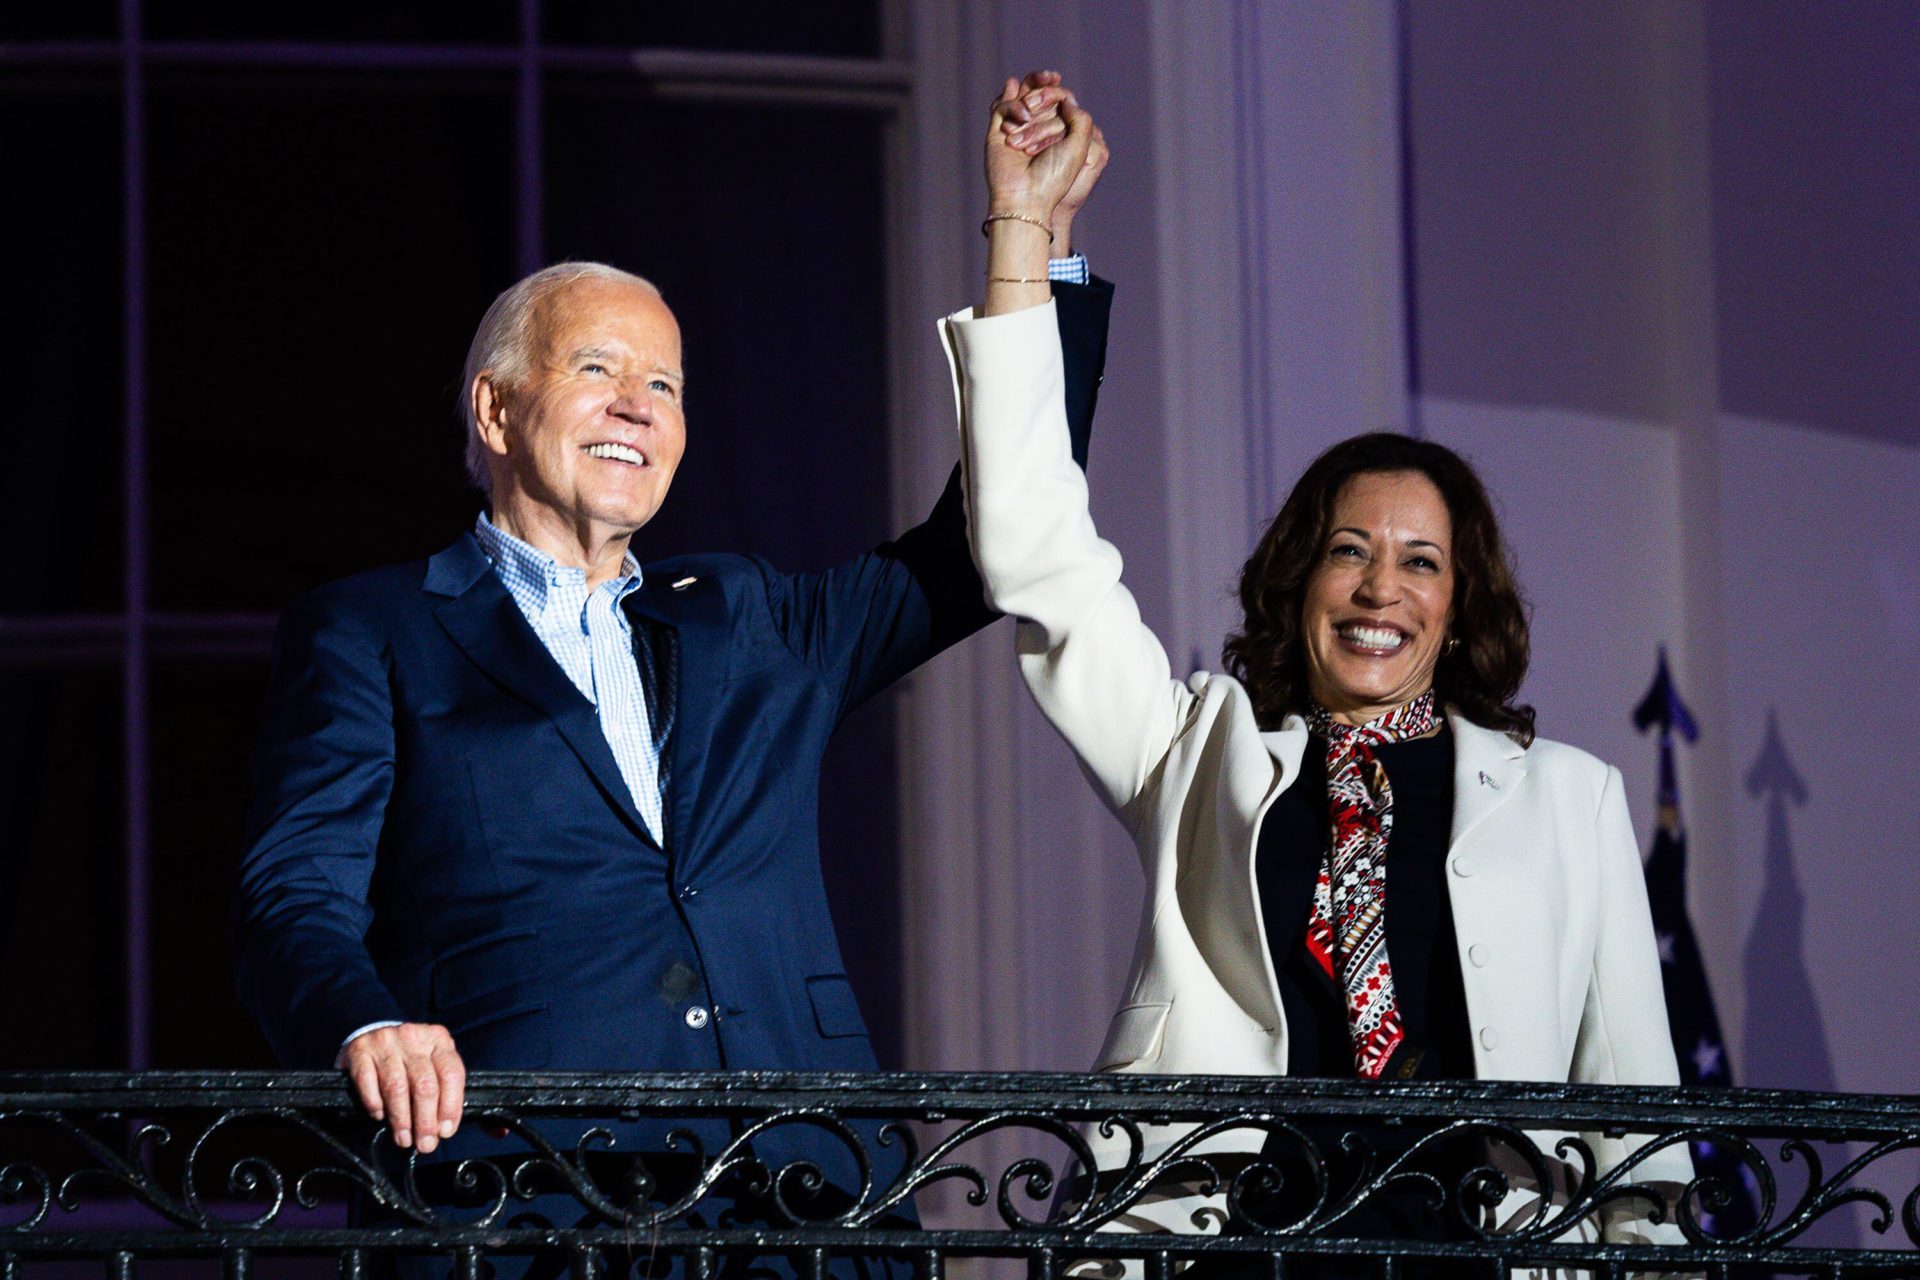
(503, 346)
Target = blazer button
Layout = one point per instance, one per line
(697, 1018)
(1489, 1038)
(1477, 956)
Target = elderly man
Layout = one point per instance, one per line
(530, 804)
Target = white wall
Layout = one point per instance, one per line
(1822, 596)
(1592, 506)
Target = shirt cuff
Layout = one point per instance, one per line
(1071, 269)
(340, 1058)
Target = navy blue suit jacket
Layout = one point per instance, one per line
(440, 833)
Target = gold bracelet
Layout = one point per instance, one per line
(1018, 280)
(1016, 217)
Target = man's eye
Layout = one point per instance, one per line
(593, 368)
(663, 386)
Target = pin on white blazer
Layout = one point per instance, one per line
(1556, 945)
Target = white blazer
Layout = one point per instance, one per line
(1556, 945)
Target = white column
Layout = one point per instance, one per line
(1278, 213)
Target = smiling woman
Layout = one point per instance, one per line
(1396, 533)
(1361, 862)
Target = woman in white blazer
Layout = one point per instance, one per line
(1367, 720)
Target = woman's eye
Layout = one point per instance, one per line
(1422, 562)
(1348, 551)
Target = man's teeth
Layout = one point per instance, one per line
(618, 452)
(1373, 637)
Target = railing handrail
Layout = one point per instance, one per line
(172, 1147)
(1764, 1112)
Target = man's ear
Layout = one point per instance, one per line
(490, 411)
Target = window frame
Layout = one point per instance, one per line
(137, 636)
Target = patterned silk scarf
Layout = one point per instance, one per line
(1347, 932)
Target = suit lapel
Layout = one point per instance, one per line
(1487, 769)
(483, 620)
(686, 621)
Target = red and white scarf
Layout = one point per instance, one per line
(1352, 889)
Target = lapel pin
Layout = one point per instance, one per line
(686, 582)
(1485, 781)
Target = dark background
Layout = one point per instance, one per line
(245, 248)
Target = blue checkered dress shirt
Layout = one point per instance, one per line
(589, 635)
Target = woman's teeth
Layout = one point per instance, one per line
(1372, 637)
(618, 452)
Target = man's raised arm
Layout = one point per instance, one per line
(868, 622)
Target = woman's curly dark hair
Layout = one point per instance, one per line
(1480, 677)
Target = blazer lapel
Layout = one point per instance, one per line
(1233, 918)
(1286, 745)
(1487, 766)
(1487, 769)
(483, 620)
(1305, 834)
(686, 621)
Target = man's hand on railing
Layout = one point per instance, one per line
(410, 1076)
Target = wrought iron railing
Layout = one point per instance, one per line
(815, 1173)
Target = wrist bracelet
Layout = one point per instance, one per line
(1018, 280)
(1016, 217)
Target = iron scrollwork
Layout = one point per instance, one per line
(1041, 1167)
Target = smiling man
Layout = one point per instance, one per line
(575, 388)
(529, 804)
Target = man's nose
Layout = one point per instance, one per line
(634, 404)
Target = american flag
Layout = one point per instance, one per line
(1697, 1041)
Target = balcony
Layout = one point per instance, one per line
(278, 1174)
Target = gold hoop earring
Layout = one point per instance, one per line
(1453, 642)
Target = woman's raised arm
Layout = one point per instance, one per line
(1097, 672)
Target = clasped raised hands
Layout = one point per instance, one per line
(1044, 153)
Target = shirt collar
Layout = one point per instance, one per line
(529, 570)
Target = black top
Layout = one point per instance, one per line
(1420, 936)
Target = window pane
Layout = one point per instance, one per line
(847, 28)
(60, 242)
(764, 229)
(60, 20)
(205, 716)
(447, 21)
(62, 908)
(331, 243)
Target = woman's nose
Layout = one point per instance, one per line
(1375, 585)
